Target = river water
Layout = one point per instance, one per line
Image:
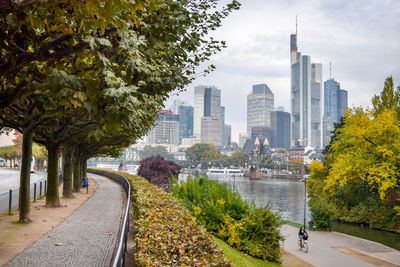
(286, 197)
(282, 195)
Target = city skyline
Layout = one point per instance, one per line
(355, 36)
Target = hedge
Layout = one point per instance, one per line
(166, 234)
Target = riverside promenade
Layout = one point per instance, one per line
(331, 249)
(86, 238)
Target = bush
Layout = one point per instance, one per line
(322, 213)
(158, 171)
(224, 213)
(166, 234)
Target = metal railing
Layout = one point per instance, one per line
(119, 254)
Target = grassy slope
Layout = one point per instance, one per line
(239, 259)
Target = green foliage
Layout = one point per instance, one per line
(240, 259)
(8, 152)
(149, 151)
(202, 152)
(322, 213)
(166, 234)
(242, 225)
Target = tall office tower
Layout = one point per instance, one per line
(243, 138)
(207, 103)
(166, 130)
(185, 122)
(306, 98)
(226, 136)
(260, 103)
(280, 126)
(335, 105)
(211, 131)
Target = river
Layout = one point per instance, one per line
(282, 195)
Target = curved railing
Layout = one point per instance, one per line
(119, 255)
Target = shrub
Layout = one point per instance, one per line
(224, 213)
(158, 171)
(322, 213)
(166, 234)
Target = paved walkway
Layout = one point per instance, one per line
(88, 235)
(335, 249)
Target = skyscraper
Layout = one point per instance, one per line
(280, 126)
(207, 103)
(185, 121)
(335, 105)
(166, 130)
(306, 98)
(260, 103)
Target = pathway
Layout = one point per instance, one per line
(86, 238)
(335, 249)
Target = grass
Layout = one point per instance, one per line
(295, 224)
(238, 258)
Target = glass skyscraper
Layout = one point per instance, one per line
(260, 103)
(334, 108)
(306, 98)
(185, 122)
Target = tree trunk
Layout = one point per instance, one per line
(67, 172)
(84, 166)
(52, 195)
(25, 177)
(77, 172)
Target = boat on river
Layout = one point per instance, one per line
(225, 172)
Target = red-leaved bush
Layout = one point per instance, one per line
(158, 171)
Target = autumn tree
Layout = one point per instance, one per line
(111, 59)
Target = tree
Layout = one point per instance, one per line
(389, 98)
(115, 62)
(158, 171)
(202, 152)
(149, 151)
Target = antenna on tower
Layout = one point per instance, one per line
(296, 24)
(330, 70)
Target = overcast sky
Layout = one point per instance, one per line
(360, 37)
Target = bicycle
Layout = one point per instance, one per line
(303, 246)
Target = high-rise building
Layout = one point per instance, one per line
(306, 98)
(335, 105)
(207, 103)
(243, 138)
(226, 135)
(185, 121)
(211, 131)
(280, 126)
(260, 103)
(166, 130)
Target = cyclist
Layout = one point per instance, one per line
(303, 235)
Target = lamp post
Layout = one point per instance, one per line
(304, 180)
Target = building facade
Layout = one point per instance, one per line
(280, 126)
(185, 121)
(335, 105)
(260, 103)
(166, 130)
(211, 131)
(306, 98)
(207, 103)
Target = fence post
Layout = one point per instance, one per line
(10, 203)
(40, 189)
(34, 192)
(45, 187)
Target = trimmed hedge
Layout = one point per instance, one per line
(166, 233)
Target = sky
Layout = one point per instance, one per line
(361, 39)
